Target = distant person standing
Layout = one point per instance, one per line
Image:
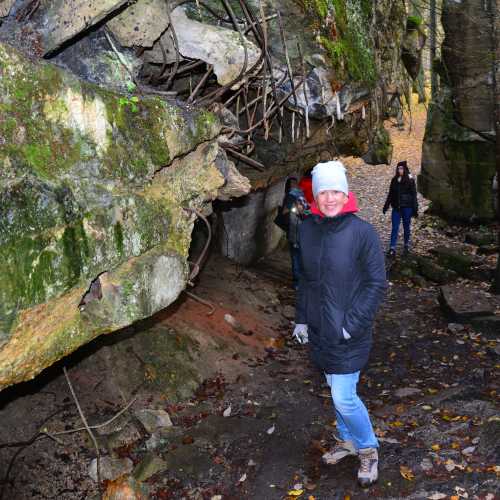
(289, 218)
(402, 197)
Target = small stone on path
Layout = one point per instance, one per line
(404, 392)
(149, 466)
(153, 420)
(110, 468)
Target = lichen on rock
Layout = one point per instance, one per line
(90, 191)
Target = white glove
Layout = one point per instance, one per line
(300, 334)
(346, 334)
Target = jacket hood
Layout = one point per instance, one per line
(350, 207)
(406, 170)
(306, 185)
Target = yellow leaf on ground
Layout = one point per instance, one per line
(295, 493)
(397, 423)
(436, 447)
(407, 473)
(274, 343)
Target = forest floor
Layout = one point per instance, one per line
(258, 430)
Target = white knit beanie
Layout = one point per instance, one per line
(329, 175)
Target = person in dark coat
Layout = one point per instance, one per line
(293, 210)
(402, 197)
(342, 284)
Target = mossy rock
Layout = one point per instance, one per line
(380, 149)
(458, 165)
(85, 192)
(455, 259)
(480, 238)
(433, 272)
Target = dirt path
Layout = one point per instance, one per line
(260, 431)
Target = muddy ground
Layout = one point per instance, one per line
(257, 426)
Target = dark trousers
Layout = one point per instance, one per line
(404, 213)
(296, 264)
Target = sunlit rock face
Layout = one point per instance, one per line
(458, 156)
(93, 231)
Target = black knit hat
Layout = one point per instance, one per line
(403, 164)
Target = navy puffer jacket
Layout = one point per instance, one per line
(342, 285)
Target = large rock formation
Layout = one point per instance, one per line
(458, 156)
(93, 187)
(93, 235)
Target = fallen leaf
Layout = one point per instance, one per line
(461, 492)
(450, 465)
(271, 429)
(397, 423)
(469, 450)
(407, 473)
(243, 478)
(227, 412)
(295, 493)
(388, 440)
(436, 447)
(187, 440)
(437, 496)
(274, 343)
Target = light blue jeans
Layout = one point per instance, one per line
(353, 422)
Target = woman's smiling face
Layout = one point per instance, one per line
(331, 202)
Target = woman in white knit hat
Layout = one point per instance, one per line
(342, 284)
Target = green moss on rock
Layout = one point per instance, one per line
(458, 166)
(82, 196)
(348, 43)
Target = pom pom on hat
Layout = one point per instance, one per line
(329, 175)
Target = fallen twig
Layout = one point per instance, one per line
(199, 260)
(173, 34)
(304, 89)
(244, 158)
(91, 434)
(97, 426)
(120, 58)
(22, 446)
(201, 301)
(201, 83)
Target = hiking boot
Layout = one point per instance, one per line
(368, 468)
(341, 450)
(391, 253)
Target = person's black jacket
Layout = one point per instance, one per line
(341, 286)
(402, 194)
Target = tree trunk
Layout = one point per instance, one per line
(432, 46)
(495, 4)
